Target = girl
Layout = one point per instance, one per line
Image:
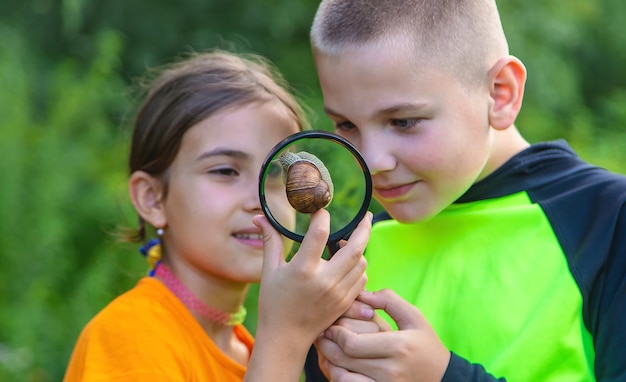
(199, 140)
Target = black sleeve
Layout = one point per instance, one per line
(605, 303)
(461, 370)
(312, 370)
(590, 223)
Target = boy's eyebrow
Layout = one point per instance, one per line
(330, 111)
(407, 106)
(386, 111)
(223, 152)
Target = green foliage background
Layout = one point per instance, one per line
(65, 71)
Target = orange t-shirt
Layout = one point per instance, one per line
(147, 334)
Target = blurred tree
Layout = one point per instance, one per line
(65, 71)
(576, 78)
(60, 197)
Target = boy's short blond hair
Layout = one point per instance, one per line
(465, 36)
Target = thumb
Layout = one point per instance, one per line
(401, 311)
(273, 245)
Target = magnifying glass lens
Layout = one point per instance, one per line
(314, 165)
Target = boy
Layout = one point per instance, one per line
(514, 254)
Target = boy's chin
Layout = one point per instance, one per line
(405, 215)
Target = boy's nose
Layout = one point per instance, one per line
(377, 154)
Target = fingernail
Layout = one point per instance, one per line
(367, 312)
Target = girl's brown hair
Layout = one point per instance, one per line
(184, 93)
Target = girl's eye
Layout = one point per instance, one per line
(226, 171)
(275, 170)
(275, 175)
(404, 124)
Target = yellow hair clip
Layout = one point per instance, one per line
(152, 251)
(154, 255)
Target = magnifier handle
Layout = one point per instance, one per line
(333, 247)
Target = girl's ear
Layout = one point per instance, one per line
(146, 193)
(506, 88)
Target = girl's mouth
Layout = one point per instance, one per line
(248, 236)
(252, 239)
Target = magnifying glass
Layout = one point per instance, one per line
(290, 188)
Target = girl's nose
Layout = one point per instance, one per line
(252, 201)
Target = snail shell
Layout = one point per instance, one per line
(307, 181)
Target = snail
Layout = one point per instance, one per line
(307, 181)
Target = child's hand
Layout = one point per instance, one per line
(360, 318)
(414, 352)
(300, 299)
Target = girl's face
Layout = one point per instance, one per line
(213, 192)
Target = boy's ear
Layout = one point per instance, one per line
(506, 88)
(146, 193)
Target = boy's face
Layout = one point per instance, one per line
(425, 137)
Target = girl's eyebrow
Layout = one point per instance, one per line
(223, 152)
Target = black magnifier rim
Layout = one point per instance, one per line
(334, 236)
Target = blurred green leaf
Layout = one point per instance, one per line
(66, 68)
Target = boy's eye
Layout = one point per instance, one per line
(404, 124)
(345, 126)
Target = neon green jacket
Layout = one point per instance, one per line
(524, 277)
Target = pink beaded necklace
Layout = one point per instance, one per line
(192, 303)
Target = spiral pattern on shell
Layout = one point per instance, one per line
(307, 181)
